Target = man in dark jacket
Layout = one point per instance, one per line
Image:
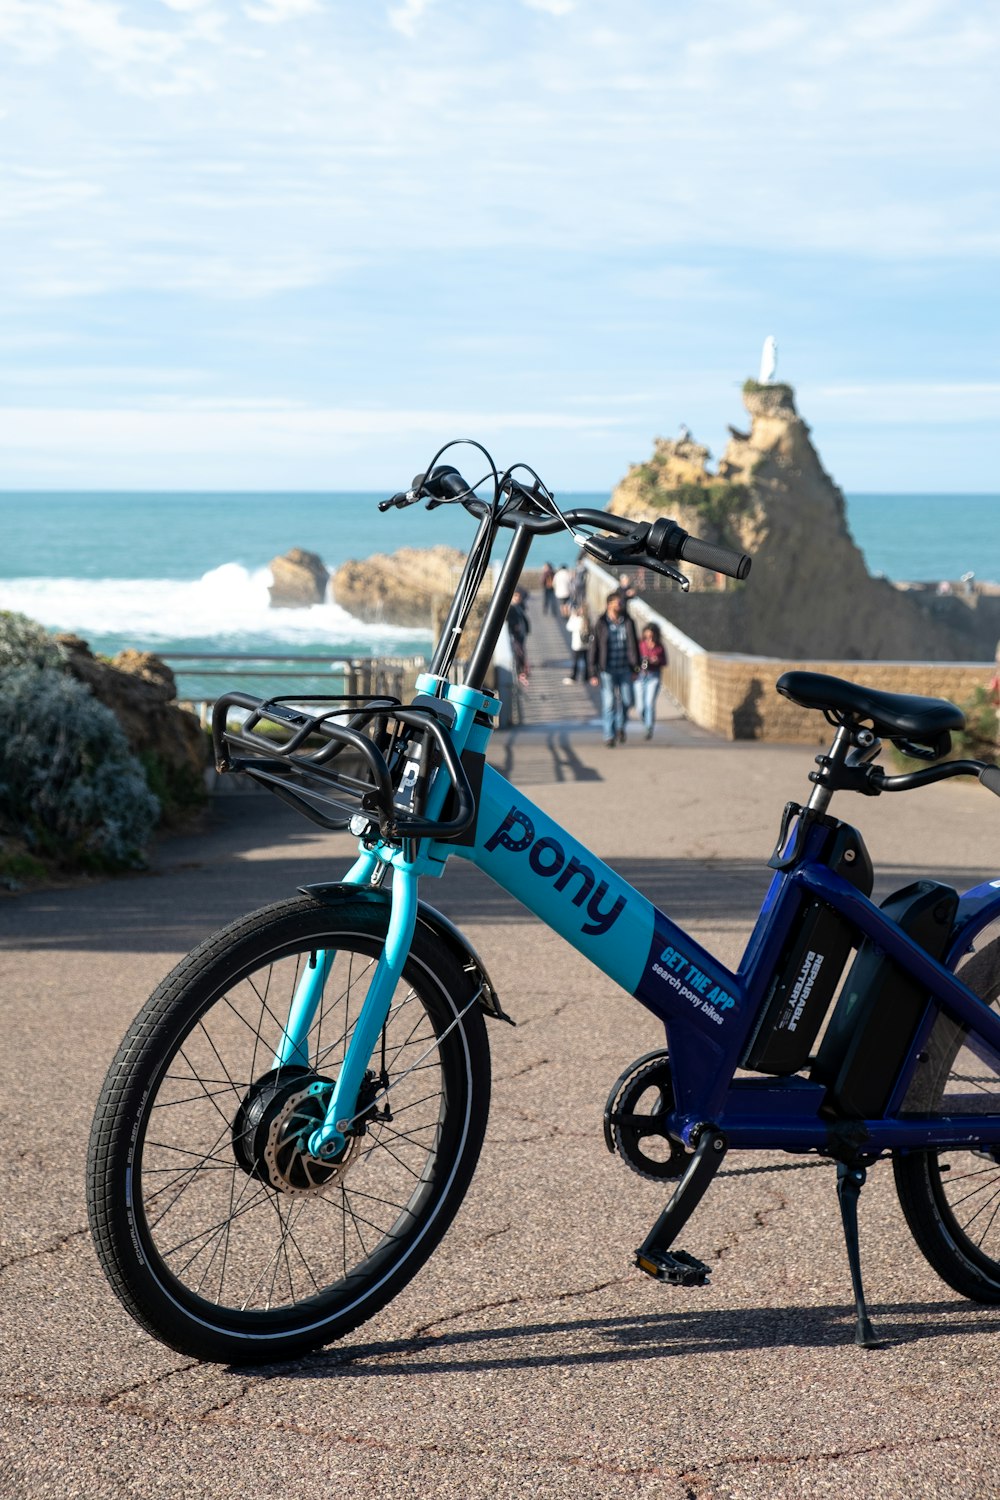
(614, 662)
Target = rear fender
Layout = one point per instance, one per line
(433, 922)
(977, 908)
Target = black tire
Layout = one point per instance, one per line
(951, 1198)
(199, 1243)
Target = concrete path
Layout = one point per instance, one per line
(528, 1358)
(549, 702)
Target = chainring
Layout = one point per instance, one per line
(640, 1101)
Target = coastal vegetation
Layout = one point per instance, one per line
(717, 504)
(75, 794)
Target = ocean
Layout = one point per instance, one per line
(189, 572)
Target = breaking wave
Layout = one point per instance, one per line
(230, 605)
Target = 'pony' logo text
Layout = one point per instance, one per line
(547, 858)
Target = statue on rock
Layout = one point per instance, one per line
(768, 360)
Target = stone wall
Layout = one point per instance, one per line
(735, 695)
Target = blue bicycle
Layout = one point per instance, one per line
(292, 1120)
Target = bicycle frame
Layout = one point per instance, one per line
(707, 1010)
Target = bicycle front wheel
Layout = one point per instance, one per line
(216, 1229)
(951, 1198)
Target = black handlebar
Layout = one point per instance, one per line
(646, 544)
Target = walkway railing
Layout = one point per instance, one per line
(684, 656)
(203, 676)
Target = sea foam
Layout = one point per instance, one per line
(229, 601)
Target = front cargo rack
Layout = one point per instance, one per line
(335, 758)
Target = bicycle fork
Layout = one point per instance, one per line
(330, 1138)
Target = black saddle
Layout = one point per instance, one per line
(893, 716)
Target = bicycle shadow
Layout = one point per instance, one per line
(561, 761)
(650, 1336)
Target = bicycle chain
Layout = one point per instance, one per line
(781, 1166)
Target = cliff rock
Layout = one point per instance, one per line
(809, 593)
(140, 690)
(298, 579)
(408, 587)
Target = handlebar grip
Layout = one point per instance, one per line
(443, 483)
(990, 778)
(718, 559)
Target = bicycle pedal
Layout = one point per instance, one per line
(673, 1266)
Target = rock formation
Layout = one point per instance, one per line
(298, 580)
(409, 587)
(140, 690)
(809, 593)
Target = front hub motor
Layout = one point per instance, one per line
(273, 1124)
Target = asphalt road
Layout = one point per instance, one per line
(528, 1357)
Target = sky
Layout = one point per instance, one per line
(298, 244)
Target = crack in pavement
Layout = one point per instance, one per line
(220, 1416)
(542, 1062)
(788, 1460)
(145, 1383)
(761, 1220)
(53, 1248)
(546, 1015)
(423, 1330)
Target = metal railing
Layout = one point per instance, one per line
(682, 651)
(206, 675)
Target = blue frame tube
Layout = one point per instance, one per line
(294, 1048)
(331, 1135)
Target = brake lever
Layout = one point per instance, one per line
(668, 572)
(631, 550)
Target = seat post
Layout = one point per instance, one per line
(822, 792)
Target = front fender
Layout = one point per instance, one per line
(977, 908)
(434, 922)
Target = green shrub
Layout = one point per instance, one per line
(69, 784)
(977, 741)
(24, 643)
(179, 790)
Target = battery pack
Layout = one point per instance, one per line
(881, 1007)
(803, 986)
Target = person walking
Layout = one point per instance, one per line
(578, 589)
(518, 626)
(652, 660)
(548, 597)
(614, 662)
(562, 585)
(578, 625)
(626, 589)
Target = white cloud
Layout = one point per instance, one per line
(908, 402)
(273, 12)
(552, 7)
(249, 427)
(277, 444)
(407, 16)
(222, 180)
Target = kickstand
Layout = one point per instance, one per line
(850, 1181)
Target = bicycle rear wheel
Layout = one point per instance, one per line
(951, 1198)
(217, 1231)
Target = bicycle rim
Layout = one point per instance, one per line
(229, 1237)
